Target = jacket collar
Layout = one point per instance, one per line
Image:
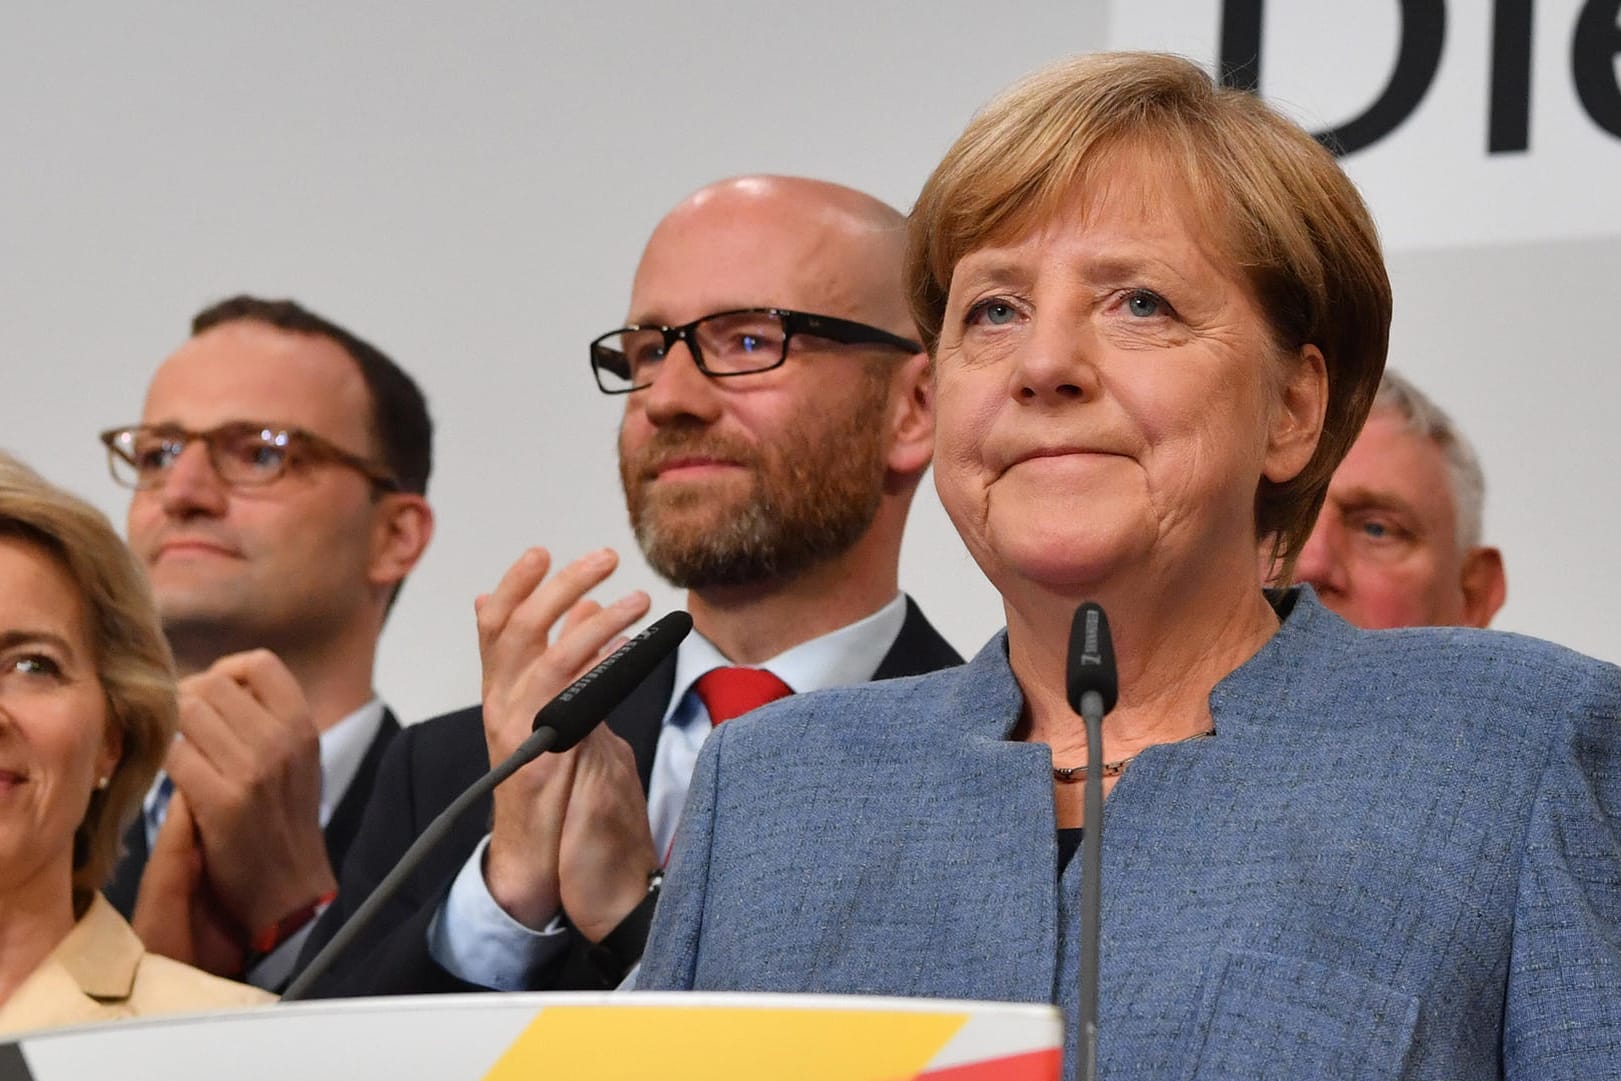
(989, 699)
(101, 953)
(88, 978)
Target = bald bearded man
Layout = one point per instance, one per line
(777, 422)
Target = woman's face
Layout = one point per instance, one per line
(1108, 395)
(54, 740)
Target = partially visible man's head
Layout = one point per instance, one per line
(316, 543)
(740, 480)
(401, 430)
(1398, 542)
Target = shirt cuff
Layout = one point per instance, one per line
(473, 938)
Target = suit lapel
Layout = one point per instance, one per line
(1000, 863)
(89, 977)
(50, 998)
(101, 953)
(340, 830)
(918, 648)
(345, 820)
(1003, 871)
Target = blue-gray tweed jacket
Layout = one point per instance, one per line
(1397, 858)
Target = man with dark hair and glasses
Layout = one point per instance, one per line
(279, 474)
(777, 421)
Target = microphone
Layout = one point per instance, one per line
(1091, 661)
(583, 703)
(560, 724)
(1093, 687)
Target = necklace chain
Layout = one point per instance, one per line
(1072, 774)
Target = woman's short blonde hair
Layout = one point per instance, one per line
(132, 657)
(1281, 207)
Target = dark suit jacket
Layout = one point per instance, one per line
(434, 762)
(1397, 859)
(340, 830)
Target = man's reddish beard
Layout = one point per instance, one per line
(812, 493)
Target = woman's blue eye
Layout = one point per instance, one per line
(1375, 530)
(995, 312)
(1143, 304)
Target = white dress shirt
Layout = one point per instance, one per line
(473, 937)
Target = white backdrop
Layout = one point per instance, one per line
(469, 187)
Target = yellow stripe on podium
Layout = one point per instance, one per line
(709, 1043)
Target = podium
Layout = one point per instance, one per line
(590, 1037)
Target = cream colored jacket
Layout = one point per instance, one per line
(101, 972)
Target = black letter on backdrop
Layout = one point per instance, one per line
(1508, 116)
(1240, 64)
(1423, 31)
(1592, 62)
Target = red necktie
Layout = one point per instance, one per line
(731, 692)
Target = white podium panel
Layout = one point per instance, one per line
(592, 1037)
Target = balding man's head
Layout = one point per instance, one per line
(801, 429)
(809, 245)
(821, 198)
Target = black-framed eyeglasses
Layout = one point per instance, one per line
(724, 344)
(243, 453)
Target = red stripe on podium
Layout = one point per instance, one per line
(1032, 1066)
